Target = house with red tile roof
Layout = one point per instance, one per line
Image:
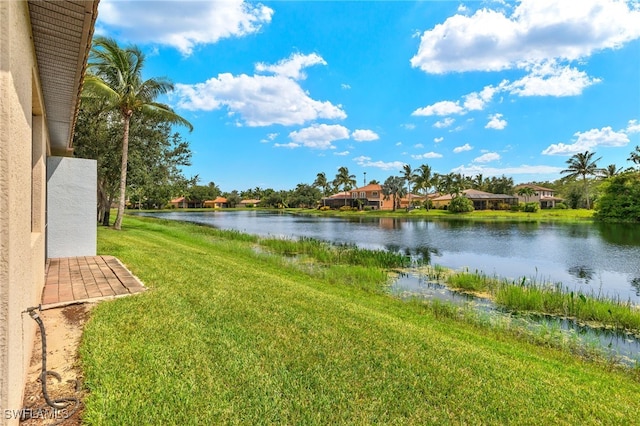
(366, 196)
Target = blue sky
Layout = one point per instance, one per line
(280, 91)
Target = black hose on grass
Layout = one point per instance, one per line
(60, 403)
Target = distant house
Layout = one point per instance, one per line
(545, 196)
(248, 203)
(412, 200)
(185, 203)
(218, 203)
(366, 196)
(481, 200)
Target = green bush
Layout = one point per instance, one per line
(460, 204)
(620, 200)
(531, 207)
(517, 207)
(325, 208)
(560, 206)
(347, 209)
(368, 208)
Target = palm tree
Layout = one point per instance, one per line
(635, 156)
(344, 179)
(409, 176)
(393, 187)
(116, 76)
(582, 164)
(526, 192)
(424, 181)
(610, 171)
(322, 183)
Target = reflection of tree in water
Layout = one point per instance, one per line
(620, 233)
(425, 253)
(582, 272)
(635, 283)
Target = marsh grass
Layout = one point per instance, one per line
(526, 295)
(341, 254)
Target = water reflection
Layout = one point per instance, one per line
(604, 256)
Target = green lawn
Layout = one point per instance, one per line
(228, 335)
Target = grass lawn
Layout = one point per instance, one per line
(229, 335)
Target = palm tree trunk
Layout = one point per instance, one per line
(123, 171)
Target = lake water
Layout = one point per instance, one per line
(599, 258)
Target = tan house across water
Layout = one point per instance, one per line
(368, 195)
(545, 196)
(218, 203)
(481, 200)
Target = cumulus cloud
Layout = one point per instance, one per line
(290, 145)
(342, 154)
(533, 32)
(365, 161)
(496, 122)
(550, 79)
(586, 141)
(426, 155)
(261, 100)
(463, 148)
(486, 158)
(438, 140)
(441, 108)
(633, 127)
(362, 135)
(441, 124)
(418, 145)
(319, 136)
(292, 66)
(200, 22)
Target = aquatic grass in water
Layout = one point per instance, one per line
(343, 254)
(550, 298)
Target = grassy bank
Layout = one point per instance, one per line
(228, 334)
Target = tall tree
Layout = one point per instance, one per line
(409, 176)
(393, 188)
(582, 164)
(526, 192)
(610, 171)
(424, 181)
(323, 184)
(634, 157)
(115, 76)
(344, 179)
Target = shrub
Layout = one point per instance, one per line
(503, 206)
(560, 206)
(325, 208)
(460, 204)
(368, 208)
(517, 207)
(531, 207)
(347, 208)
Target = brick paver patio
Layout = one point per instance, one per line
(87, 279)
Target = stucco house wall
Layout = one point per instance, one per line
(22, 186)
(40, 79)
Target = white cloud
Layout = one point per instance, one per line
(477, 100)
(550, 79)
(426, 155)
(496, 122)
(345, 86)
(342, 154)
(438, 140)
(319, 136)
(463, 148)
(633, 127)
(260, 100)
(398, 143)
(486, 158)
(589, 140)
(199, 23)
(444, 123)
(292, 66)
(290, 145)
(365, 161)
(418, 145)
(536, 31)
(408, 126)
(441, 108)
(508, 171)
(361, 135)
